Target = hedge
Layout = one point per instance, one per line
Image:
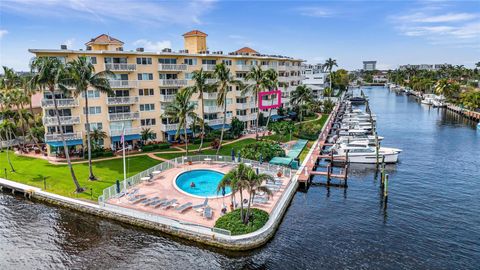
(232, 222)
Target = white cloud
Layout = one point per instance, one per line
(318, 12)
(165, 12)
(155, 46)
(440, 26)
(3, 32)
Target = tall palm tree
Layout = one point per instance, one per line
(300, 96)
(7, 131)
(329, 64)
(82, 76)
(146, 134)
(236, 180)
(50, 73)
(257, 76)
(181, 110)
(271, 81)
(225, 78)
(200, 78)
(255, 184)
(96, 135)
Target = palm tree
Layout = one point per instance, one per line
(7, 130)
(81, 75)
(327, 92)
(235, 179)
(96, 135)
(254, 185)
(329, 64)
(271, 81)
(181, 110)
(50, 73)
(257, 76)
(224, 77)
(200, 78)
(146, 134)
(301, 95)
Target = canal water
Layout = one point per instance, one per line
(432, 219)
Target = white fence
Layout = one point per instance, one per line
(112, 191)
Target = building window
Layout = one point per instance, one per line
(209, 62)
(95, 126)
(144, 61)
(229, 101)
(92, 110)
(227, 62)
(241, 62)
(188, 76)
(93, 59)
(146, 92)
(148, 122)
(167, 61)
(167, 76)
(145, 76)
(190, 61)
(147, 107)
(93, 94)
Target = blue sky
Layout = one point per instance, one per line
(391, 32)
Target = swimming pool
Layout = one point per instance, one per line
(206, 182)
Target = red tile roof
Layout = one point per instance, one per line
(247, 50)
(104, 39)
(195, 33)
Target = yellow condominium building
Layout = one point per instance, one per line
(145, 82)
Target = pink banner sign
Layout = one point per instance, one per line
(278, 93)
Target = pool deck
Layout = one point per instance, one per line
(162, 186)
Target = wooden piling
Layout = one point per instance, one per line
(385, 187)
(328, 173)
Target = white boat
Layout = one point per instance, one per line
(363, 153)
(428, 99)
(354, 132)
(439, 101)
(370, 139)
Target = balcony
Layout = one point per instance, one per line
(123, 84)
(120, 67)
(123, 116)
(244, 67)
(167, 98)
(212, 109)
(67, 136)
(64, 120)
(213, 95)
(122, 100)
(173, 82)
(208, 67)
(211, 81)
(248, 117)
(61, 103)
(265, 67)
(282, 68)
(172, 67)
(244, 106)
(128, 131)
(213, 122)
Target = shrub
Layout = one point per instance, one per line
(267, 149)
(232, 221)
(152, 147)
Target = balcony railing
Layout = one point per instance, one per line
(120, 67)
(123, 116)
(244, 67)
(123, 84)
(211, 81)
(282, 68)
(243, 106)
(208, 67)
(213, 95)
(172, 67)
(61, 103)
(167, 127)
(122, 100)
(265, 67)
(248, 117)
(212, 109)
(68, 136)
(213, 122)
(128, 131)
(173, 82)
(64, 120)
(167, 98)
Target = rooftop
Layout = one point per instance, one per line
(104, 39)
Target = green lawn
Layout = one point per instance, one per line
(31, 171)
(170, 155)
(227, 149)
(281, 138)
(305, 150)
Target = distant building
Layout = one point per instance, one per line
(315, 78)
(369, 65)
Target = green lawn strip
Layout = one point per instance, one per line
(281, 138)
(170, 155)
(30, 171)
(232, 222)
(227, 149)
(305, 150)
